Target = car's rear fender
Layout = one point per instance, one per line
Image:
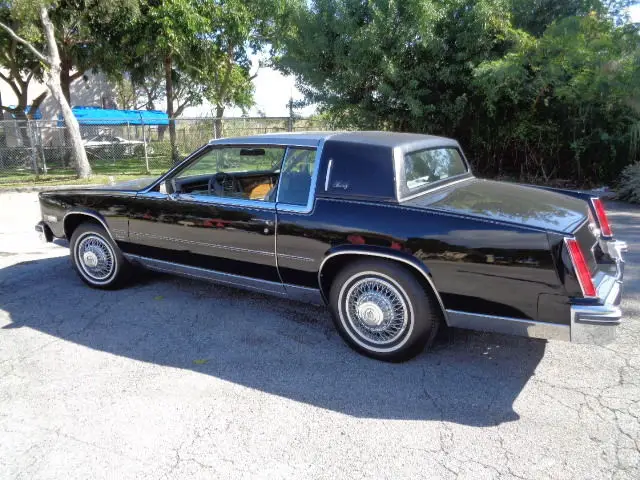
(336, 256)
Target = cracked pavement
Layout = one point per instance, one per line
(174, 378)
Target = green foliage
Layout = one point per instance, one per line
(20, 65)
(400, 65)
(629, 184)
(563, 104)
(532, 88)
(84, 31)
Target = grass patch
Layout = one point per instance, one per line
(103, 173)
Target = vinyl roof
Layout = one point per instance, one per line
(311, 139)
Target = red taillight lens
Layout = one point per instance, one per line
(581, 268)
(605, 227)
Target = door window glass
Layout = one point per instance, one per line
(249, 173)
(295, 179)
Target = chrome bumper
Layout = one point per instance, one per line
(44, 232)
(597, 324)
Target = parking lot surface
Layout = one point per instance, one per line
(174, 378)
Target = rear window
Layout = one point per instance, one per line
(424, 167)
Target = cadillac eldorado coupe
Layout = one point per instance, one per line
(390, 230)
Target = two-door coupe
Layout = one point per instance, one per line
(390, 230)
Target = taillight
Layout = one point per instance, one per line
(581, 268)
(605, 227)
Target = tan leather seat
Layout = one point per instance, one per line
(259, 192)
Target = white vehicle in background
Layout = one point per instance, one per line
(110, 145)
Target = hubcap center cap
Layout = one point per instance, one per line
(370, 314)
(90, 259)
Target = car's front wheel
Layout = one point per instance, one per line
(97, 258)
(382, 310)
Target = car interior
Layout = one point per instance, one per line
(231, 175)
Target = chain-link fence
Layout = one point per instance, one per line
(38, 151)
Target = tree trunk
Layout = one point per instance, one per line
(168, 78)
(52, 79)
(35, 104)
(3, 137)
(65, 82)
(217, 124)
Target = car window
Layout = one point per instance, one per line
(249, 173)
(295, 179)
(427, 166)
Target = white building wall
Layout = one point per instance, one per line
(92, 90)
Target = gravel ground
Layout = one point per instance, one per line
(174, 378)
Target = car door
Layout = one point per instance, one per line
(220, 220)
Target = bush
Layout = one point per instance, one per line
(629, 184)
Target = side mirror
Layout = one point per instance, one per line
(168, 187)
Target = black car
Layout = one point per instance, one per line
(390, 230)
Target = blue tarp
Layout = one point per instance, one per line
(104, 116)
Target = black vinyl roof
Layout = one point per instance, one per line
(385, 139)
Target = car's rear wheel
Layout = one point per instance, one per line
(381, 310)
(97, 258)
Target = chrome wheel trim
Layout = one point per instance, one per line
(95, 258)
(375, 311)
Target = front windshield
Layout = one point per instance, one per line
(235, 160)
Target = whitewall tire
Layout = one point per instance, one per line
(382, 310)
(97, 258)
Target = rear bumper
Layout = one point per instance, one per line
(597, 324)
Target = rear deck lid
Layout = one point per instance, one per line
(507, 202)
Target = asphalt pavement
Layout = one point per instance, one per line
(175, 378)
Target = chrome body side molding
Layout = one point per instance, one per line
(294, 292)
(510, 326)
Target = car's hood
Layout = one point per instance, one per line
(129, 185)
(507, 202)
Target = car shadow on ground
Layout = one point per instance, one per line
(276, 346)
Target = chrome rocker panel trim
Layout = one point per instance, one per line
(293, 292)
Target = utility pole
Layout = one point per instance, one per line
(291, 115)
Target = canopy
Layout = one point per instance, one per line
(104, 116)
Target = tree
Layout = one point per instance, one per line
(85, 30)
(75, 35)
(51, 61)
(201, 48)
(530, 91)
(534, 16)
(239, 28)
(21, 68)
(177, 28)
(400, 65)
(566, 103)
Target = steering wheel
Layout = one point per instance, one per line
(216, 184)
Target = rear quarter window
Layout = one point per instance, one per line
(357, 170)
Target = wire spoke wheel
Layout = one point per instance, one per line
(95, 257)
(376, 310)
